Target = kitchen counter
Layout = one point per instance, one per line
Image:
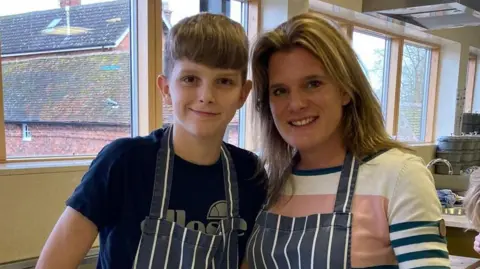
(456, 221)
(457, 262)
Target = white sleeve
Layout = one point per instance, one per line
(417, 230)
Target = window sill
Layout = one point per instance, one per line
(61, 166)
(420, 144)
(42, 167)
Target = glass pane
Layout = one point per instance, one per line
(174, 11)
(372, 52)
(66, 75)
(413, 93)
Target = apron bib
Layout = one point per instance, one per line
(319, 241)
(166, 244)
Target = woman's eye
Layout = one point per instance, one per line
(279, 91)
(314, 84)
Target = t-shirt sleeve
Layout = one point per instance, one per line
(97, 195)
(417, 231)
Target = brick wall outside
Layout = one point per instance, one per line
(57, 140)
(70, 140)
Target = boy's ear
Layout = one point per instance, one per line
(246, 88)
(162, 84)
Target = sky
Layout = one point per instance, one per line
(9, 7)
(180, 8)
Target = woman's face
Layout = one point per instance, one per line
(305, 104)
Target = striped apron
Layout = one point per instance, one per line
(165, 244)
(315, 241)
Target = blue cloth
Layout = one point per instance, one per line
(447, 197)
(116, 192)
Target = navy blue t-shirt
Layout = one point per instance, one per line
(116, 192)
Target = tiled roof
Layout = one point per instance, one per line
(91, 88)
(91, 26)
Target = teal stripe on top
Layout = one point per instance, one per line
(412, 225)
(331, 170)
(416, 239)
(318, 172)
(423, 254)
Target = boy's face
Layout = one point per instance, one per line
(204, 99)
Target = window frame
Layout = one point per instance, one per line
(471, 81)
(386, 62)
(394, 71)
(146, 31)
(145, 27)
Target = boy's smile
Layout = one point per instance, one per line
(204, 99)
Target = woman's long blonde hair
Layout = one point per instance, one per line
(362, 122)
(471, 201)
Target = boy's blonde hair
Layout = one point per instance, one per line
(471, 201)
(363, 130)
(209, 39)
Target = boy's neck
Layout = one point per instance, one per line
(194, 149)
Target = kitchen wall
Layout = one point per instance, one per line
(31, 200)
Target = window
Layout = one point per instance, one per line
(412, 118)
(26, 134)
(373, 53)
(469, 91)
(174, 11)
(66, 74)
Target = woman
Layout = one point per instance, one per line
(471, 203)
(342, 193)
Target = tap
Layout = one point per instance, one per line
(445, 161)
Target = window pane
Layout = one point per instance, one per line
(174, 11)
(372, 52)
(413, 93)
(66, 75)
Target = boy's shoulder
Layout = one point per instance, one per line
(243, 157)
(247, 165)
(131, 148)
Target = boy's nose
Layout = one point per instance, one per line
(206, 95)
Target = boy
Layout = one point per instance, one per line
(178, 198)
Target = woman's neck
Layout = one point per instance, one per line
(329, 154)
(202, 151)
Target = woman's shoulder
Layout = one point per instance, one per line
(395, 160)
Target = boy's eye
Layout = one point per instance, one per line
(314, 84)
(226, 81)
(189, 79)
(279, 91)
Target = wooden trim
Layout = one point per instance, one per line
(158, 56)
(432, 96)
(147, 64)
(3, 142)
(343, 21)
(394, 84)
(51, 159)
(471, 73)
(348, 31)
(253, 28)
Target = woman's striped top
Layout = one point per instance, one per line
(397, 220)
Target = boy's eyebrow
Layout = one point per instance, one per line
(232, 73)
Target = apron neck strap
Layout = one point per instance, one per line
(347, 183)
(164, 178)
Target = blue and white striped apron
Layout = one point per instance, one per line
(315, 241)
(165, 244)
